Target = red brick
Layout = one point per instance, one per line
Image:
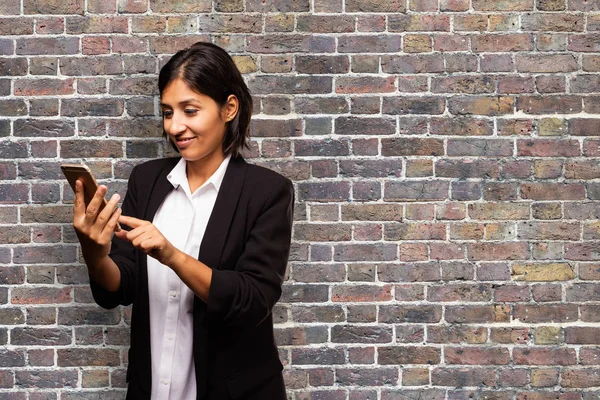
(476, 356)
(413, 252)
(462, 126)
(580, 378)
(502, 42)
(491, 106)
(325, 23)
(553, 191)
(465, 376)
(365, 85)
(511, 293)
(393, 6)
(516, 84)
(362, 293)
(498, 251)
(408, 355)
(585, 43)
(97, 24)
(407, 272)
(53, 7)
(463, 84)
(460, 292)
(418, 23)
(548, 148)
(470, 23)
(467, 169)
(445, 43)
(544, 356)
(412, 64)
(546, 313)
(553, 22)
(371, 23)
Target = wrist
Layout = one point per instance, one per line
(176, 259)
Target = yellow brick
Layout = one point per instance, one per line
(417, 44)
(547, 335)
(543, 272)
(552, 127)
(245, 64)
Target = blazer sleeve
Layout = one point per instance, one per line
(124, 255)
(246, 295)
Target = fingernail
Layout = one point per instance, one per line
(115, 197)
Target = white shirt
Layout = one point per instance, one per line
(182, 219)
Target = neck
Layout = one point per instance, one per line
(199, 171)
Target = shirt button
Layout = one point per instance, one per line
(165, 382)
(173, 293)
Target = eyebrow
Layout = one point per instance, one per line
(186, 101)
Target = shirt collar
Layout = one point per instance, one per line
(178, 177)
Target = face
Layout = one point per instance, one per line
(195, 122)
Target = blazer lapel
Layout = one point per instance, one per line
(222, 213)
(160, 188)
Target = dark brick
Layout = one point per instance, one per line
(44, 379)
(360, 334)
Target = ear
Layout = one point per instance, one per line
(230, 108)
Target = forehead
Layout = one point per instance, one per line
(178, 91)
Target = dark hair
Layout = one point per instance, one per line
(210, 70)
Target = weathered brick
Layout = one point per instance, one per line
(413, 105)
(406, 272)
(44, 379)
(364, 126)
(393, 6)
(467, 169)
(476, 356)
(53, 7)
(412, 64)
(40, 295)
(416, 191)
(584, 42)
(502, 42)
(549, 230)
(365, 252)
(369, 44)
(354, 85)
(464, 292)
(491, 106)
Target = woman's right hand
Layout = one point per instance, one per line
(94, 229)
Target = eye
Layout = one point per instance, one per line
(190, 111)
(167, 113)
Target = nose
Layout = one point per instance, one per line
(175, 125)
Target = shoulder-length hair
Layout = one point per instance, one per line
(209, 70)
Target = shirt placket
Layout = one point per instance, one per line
(171, 325)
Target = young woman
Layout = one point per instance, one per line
(204, 249)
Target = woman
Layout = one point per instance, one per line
(205, 250)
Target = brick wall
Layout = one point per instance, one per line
(445, 157)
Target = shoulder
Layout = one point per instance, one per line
(266, 179)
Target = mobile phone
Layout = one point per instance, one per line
(82, 172)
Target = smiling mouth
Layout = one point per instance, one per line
(184, 140)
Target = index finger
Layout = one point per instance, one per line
(131, 222)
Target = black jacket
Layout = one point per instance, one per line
(246, 243)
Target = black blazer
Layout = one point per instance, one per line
(246, 243)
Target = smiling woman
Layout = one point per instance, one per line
(205, 248)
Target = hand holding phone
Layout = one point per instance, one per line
(74, 172)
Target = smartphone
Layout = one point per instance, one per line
(82, 172)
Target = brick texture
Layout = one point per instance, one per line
(446, 160)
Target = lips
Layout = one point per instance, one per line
(183, 142)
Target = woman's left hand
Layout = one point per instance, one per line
(146, 237)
